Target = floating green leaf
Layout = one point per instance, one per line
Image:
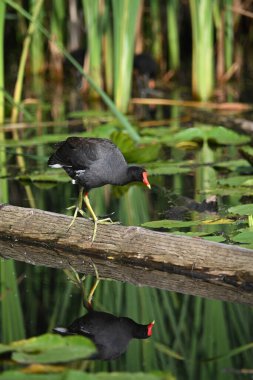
(168, 223)
(245, 237)
(48, 176)
(217, 239)
(236, 181)
(51, 348)
(4, 348)
(242, 209)
(218, 135)
(232, 164)
(80, 375)
(167, 168)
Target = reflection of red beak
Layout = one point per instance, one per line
(150, 326)
(145, 179)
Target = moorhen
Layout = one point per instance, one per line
(94, 162)
(109, 333)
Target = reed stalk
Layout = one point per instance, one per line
(3, 170)
(11, 317)
(229, 34)
(124, 26)
(202, 50)
(37, 57)
(57, 28)
(92, 15)
(2, 20)
(156, 26)
(108, 51)
(173, 34)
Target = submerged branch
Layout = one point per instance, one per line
(140, 256)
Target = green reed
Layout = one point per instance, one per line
(202, 50)
(37, 52)
(121, 118)
(124, 26)
(11, 318)
(156, 27)
(172, 7)
(93, 17)
(2, 20)
(57, 28)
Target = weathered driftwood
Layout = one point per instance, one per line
(140, 256)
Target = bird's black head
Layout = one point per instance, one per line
(143, 331)
(138, 174)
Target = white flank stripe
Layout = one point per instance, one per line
(56, 166)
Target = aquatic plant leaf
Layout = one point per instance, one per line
(51, 348)
(232, 164)
(4, 348)
(167, 168)
(144, 154)
(219, 135)
(123, 141)
(242, 209)
(168, 223)
(217, 239)
(236, 181)
(48, 176)
(71, 374)
(245, 237)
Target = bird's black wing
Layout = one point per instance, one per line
(80, 153)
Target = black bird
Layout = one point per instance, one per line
(109, 333)
(94, 162)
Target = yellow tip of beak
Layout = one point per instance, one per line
(149, 186)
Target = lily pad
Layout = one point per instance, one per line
(168, 223)
(48, 176)
(237, 181)
(167, 168)
(233, 164)
(245, 237)
(218, 135)
(242, 209)
(80, 375)
(51, 348)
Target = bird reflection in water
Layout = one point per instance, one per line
(109, 333)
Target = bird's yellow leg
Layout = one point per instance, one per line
(94, 287)
(88, 205)
(78, 207)
(74, 277)
(94, 217)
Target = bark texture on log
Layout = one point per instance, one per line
(137, 255)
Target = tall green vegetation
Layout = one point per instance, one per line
(11, 317)
(93, 25)
(173, 34)
(37, 51)
(2, 20)
(124, 26)
(202, 48)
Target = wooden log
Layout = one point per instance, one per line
(137, 255)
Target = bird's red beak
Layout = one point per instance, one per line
(150, 326)
(145, 179)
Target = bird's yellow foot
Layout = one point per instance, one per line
(77, 210)
(101, 221)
